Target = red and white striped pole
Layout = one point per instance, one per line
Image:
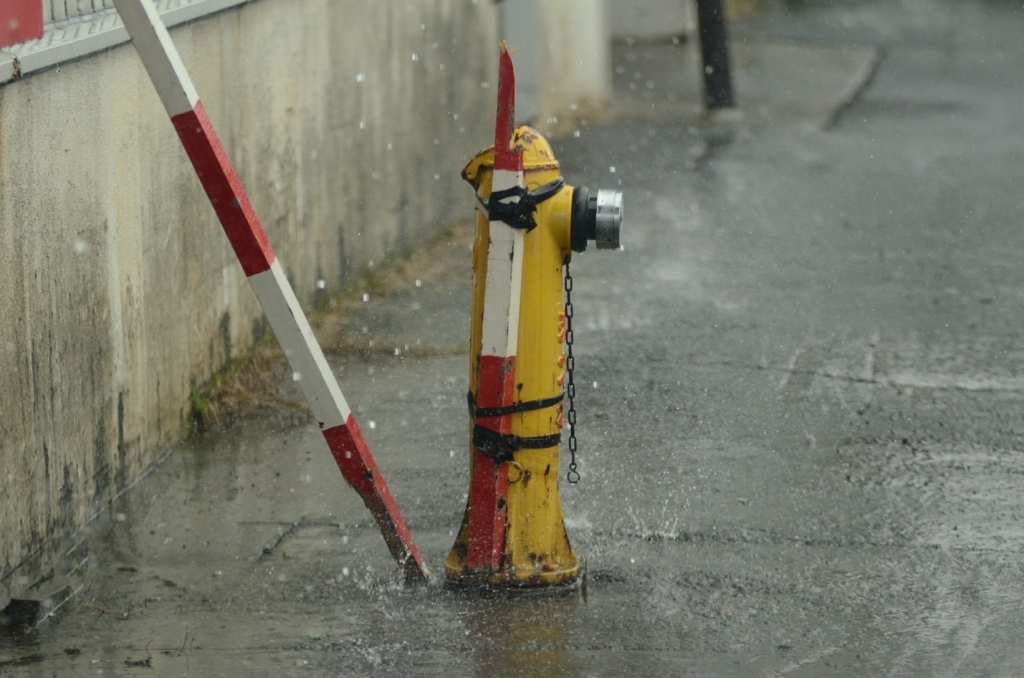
(500, 332)
(20, 20)
(266, 276)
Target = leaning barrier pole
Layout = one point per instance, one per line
(243, 229)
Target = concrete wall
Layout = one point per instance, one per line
(653, 19)
(563, 60)
(117, 287)
(576, 73)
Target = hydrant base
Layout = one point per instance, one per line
(463, 577)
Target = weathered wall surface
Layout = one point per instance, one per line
(563, 60)
(576, 62)
(348, 122)
(653, 19)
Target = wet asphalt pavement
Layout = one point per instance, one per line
(802, 439)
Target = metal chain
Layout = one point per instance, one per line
(573, 476)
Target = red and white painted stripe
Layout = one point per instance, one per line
(222, 186)
(500, 332)
(20, 20)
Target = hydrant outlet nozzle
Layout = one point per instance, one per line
(596, 217)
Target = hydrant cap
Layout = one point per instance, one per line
(537, 155)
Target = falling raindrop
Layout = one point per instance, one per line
(373, 424)
(81, 246)
(366, 297)
(296, 376)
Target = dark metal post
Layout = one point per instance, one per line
(714, 49)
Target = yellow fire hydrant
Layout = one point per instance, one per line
(513, 532)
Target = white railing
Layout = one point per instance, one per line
(58, 10)
(77, 28)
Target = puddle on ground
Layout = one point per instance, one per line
(245, 554)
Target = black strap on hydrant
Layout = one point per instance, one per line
(527, 406)
(519, 214)
(500, 447)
